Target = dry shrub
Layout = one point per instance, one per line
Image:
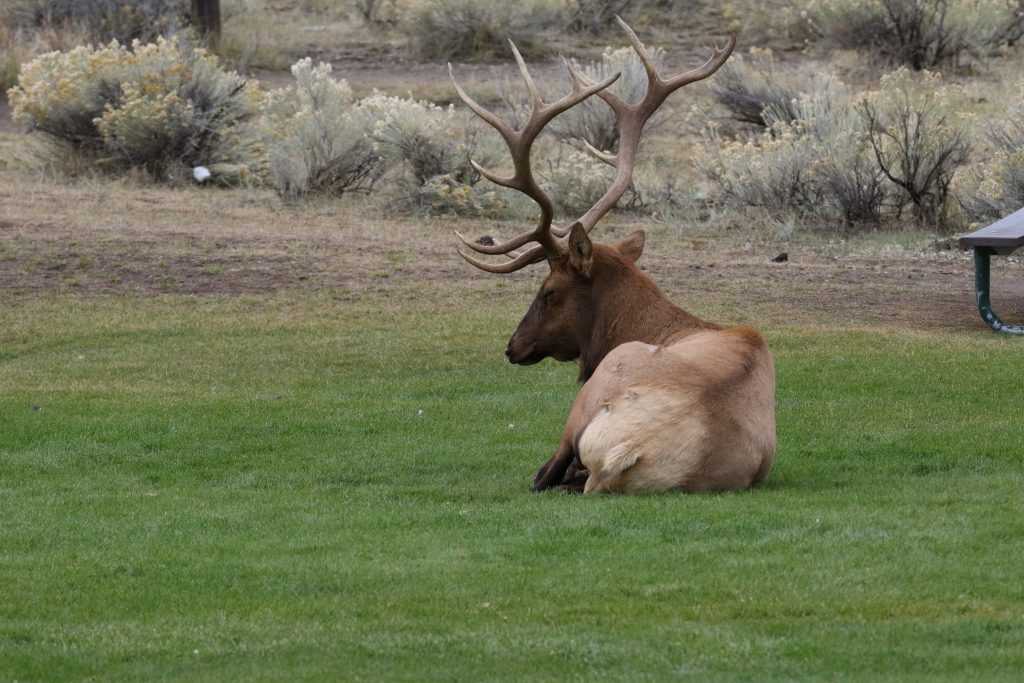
(163, 107)
(427, 140)
(918, 34)
(595, 17)
(104, 20)
(746, 87)
(19, 45)
(856, 158)
(788, 165)
(996, 188)
(768, 22)
(377, 12)
(468, 29)
(317, 140)
(429, 149)
(574, 180)
(446, 194)
(918, 139)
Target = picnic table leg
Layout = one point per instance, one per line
(981, 292)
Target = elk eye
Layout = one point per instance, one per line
(549, 295)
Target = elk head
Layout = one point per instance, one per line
(561, 316)
(563, 313)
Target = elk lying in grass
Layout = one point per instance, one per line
(670, 401)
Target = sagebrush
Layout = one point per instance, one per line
(164, 107)
(918, 139)
(430, 149)
(317, 140)
(747, 87)
(104, 20)
(851, 156)
(918, 34)
(449, 29)
(996, 188)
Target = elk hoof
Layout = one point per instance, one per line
(575, 485)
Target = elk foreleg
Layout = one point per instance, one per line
(553, 472)
(575, 477)
(564, 469)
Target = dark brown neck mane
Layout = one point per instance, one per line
(629, 306)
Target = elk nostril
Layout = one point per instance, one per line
(508, 352)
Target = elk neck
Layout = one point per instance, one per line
(629, 306)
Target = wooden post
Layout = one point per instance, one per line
(206, 18)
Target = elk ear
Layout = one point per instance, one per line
(632, 246)
(581, 250)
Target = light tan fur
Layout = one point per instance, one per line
(696, 415)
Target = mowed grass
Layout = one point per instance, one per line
(299, 488)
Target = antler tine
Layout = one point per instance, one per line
(496, 123)
(633, 117)
(492, 249)
(532, 255)
(519, 143)
(535, 98)
(610, 159)
(641, 51)
(493, 177)
(716, 60)
(580, 80)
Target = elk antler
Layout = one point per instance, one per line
(519, 144)
(632, 118)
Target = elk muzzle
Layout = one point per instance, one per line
(519, 352)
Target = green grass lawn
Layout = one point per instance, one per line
(220, 489)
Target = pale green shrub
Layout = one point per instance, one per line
(105, 20)
(427, 140)
(450, 29)
(919, 139)
(593, 120)
(746, 87)
(770, 171)
(999, 181)
(595, 17)
(164, 107)
(773, 22)
(811, 157)
(317, 140)
(1000, 190)
(320, 140)
(444, 194)
(430, 148)
(918, 34)
(62, 94)
(574, 180)
(848, 182)
(855, 158)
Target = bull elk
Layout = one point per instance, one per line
(669, 401)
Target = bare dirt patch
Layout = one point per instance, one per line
(67, 242)
(934, 293)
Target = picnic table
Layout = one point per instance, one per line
(1002, 238)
